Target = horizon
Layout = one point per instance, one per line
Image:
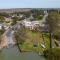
(8, 4)
(30, 8)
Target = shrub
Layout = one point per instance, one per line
(52, 54)
(57, 36)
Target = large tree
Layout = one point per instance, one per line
(52, 22)
(20, 35)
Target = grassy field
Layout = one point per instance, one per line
(33, 42)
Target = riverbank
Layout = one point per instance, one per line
(4, 41)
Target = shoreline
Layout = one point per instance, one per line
(4, 43)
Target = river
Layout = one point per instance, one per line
(14, 54)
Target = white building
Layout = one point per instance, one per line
(27, 24)
(30, 24)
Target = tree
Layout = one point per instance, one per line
(14, 21)
(20, 36)
(52, 22)
(2, 19)
(4, 14)
(52, 54)
(37, 14)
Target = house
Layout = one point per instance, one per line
(35, 23)
(27, 24)
(30, 24)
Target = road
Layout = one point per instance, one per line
(44, 18)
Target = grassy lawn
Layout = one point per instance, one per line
(34, 40)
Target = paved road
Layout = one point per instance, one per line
(44, 17)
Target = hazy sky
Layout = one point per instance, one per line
(29, 4)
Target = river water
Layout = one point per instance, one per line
(14, 54)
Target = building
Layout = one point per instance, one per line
(27, 24)
(30, 24)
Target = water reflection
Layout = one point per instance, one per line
(14, 54)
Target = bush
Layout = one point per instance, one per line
(57, 36)
(52, 54)
(20, 35)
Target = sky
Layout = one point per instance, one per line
(29, 4)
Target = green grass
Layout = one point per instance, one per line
(32, 39)
(27, 47)
(35, 38)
